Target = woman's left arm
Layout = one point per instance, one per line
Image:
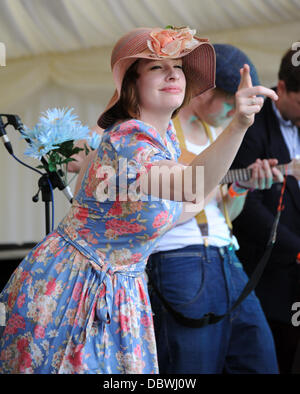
(83, 167)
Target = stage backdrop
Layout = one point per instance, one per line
(58, 54)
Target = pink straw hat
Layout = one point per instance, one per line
(156, 44)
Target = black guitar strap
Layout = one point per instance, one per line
(211, 318)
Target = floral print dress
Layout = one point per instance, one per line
(78, 303)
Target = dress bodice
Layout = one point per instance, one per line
(109, 219)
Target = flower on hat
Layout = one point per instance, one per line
(171, 41)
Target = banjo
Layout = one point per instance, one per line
(244, 174)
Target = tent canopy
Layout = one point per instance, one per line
(34, 27)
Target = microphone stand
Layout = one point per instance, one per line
(50, 176)
(44, 187)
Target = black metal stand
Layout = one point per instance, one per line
(55, 177)
(44, 187)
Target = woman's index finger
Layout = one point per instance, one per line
(246, 80)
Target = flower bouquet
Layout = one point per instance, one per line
(53, 138)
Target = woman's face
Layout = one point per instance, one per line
(160, 85)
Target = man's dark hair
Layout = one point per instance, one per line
(289, 72)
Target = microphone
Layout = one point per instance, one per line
(56, 181)
(15, 121)
(55, 178)
(5, 138)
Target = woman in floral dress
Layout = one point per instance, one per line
(78, 303)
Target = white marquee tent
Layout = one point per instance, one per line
(58, 54)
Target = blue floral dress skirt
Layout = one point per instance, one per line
(78, 303)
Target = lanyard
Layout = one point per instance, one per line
(201, 217)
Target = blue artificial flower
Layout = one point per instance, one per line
(40, 141)
(55, 126)
(94, 140)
